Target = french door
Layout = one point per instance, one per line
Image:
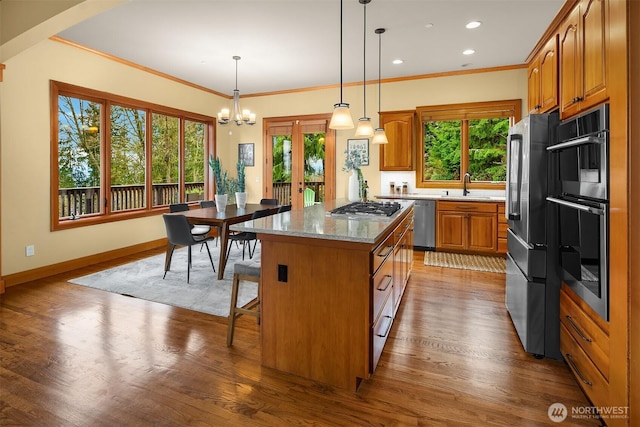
(300, 159)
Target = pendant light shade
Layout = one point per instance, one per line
(379, 136)
(341, 118)
(365, 128)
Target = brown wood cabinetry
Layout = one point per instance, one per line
(329, 318)
(584, 39)
(467, 226)
(543, 78)
(584, 343)
(399, 127)
(503, 226)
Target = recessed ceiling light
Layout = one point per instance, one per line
(429, 25)
(469, 52)
(397, 61)
(473, 24)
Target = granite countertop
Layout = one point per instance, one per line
(316, 222)
(451, 197)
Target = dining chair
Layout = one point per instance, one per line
(284, 208)
(179, 234)
(196, 230)
(211, 204)
(246, 237)
(269, 202)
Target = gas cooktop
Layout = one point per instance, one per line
(368, 208)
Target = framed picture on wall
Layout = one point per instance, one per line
(361, 145)
(245, 153)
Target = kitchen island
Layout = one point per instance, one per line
(330, 288)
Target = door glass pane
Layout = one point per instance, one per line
(442, 150)
(488, 149)
(314, 162)
(165, 159)
(194, 140)
(128, 165)
(281, 178)
(78, 157)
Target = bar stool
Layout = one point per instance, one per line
(249, 271)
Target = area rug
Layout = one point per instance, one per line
(204, 292)
(465, 262)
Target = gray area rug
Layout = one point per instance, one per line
(204, 292)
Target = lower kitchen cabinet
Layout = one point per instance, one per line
(584, 342)
(467, 226)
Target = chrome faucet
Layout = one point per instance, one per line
(464, 183)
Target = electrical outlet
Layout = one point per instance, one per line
(30, 250)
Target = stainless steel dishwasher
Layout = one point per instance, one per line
(424, 228)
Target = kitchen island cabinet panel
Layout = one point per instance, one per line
(316, 324)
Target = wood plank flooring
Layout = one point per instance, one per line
(75, 356)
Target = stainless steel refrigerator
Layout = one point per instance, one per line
(532, 287)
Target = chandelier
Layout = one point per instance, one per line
(236, 115)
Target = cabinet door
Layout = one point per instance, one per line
(549, 76)
(594, 52)
(397, 155)
(482, 232)
(570, 69)
(451, 230)
(534, 86)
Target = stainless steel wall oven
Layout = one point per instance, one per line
(581, 162)
(583, 249)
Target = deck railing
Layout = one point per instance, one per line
(86, 200)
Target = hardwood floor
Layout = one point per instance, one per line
(76, 356)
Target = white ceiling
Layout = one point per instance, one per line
(291, 44)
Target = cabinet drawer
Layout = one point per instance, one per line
(467, 206)
(501, 210)
(381, 252)
(381, 286)
(380, 331)
(593, 340)
(589, 378)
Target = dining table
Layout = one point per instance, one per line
(222, 220)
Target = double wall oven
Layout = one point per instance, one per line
(579, 161)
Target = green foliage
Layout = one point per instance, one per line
(314, 156)
(240, 168)
(219, 175)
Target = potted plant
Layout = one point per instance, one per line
(354, 158)
(220, 178)
(241, 194)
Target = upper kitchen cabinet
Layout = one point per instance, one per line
(584, 39)
(543, 78)
(399, 127)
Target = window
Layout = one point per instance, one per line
(117, 158)
(460, 138)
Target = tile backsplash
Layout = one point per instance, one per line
(398, 178)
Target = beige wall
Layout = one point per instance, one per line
(24, 127)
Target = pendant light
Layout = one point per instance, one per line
(379, 136)
(238, 116)
(364, 129)
(341, 118)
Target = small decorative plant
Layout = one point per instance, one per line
(240, 167)
(219, 175)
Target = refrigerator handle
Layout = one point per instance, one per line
(513, 206)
